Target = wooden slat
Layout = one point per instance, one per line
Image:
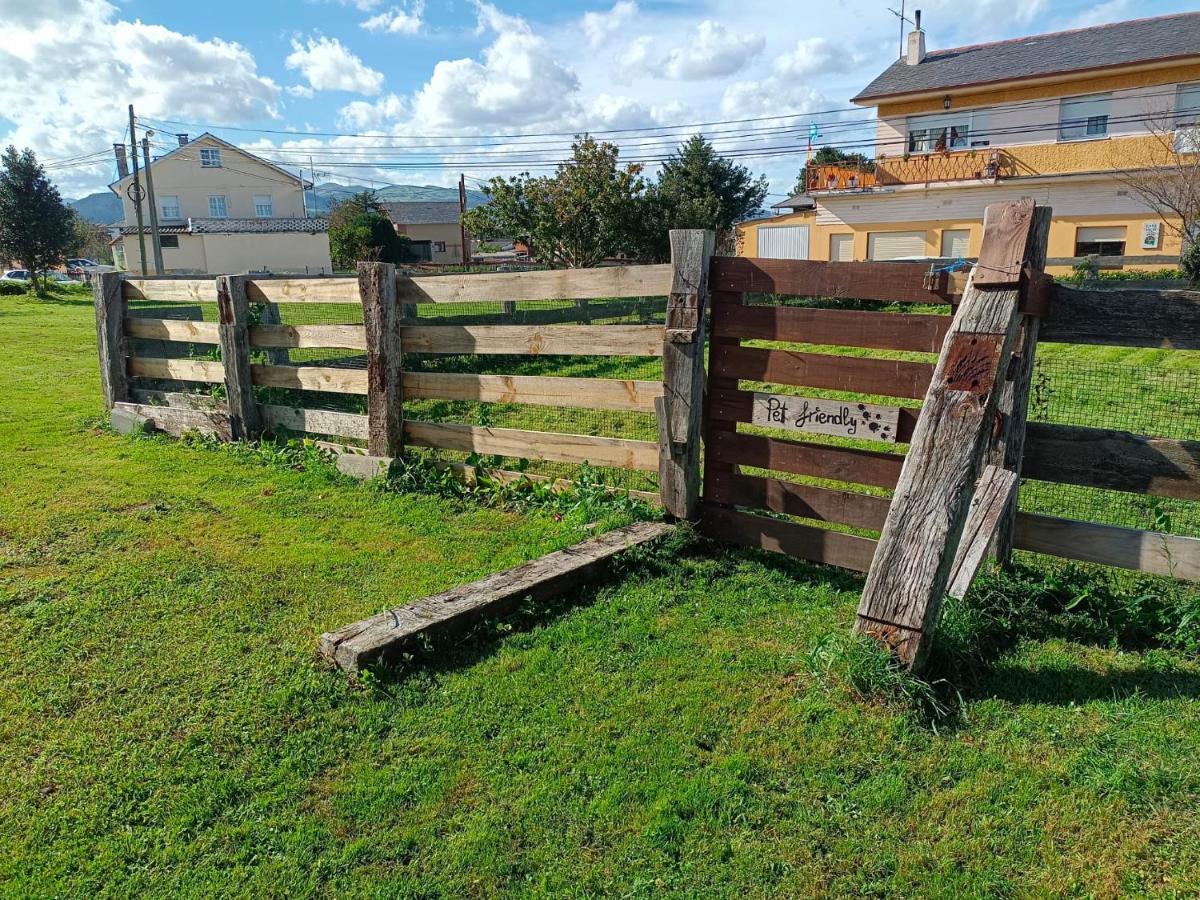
(311, 378)
(172, 330)
(180, 399)
(202, 290)
(1125, 548)
(805, 542)
(801, 458)
(554, 284)
(1114, 460)
(539, 445)
(349, 337)
(176, 420)
(316, 421)
(303, 290)
(860, 375)
(579, 393)
(836, 327)
(181, 369)
(893, 281)
(805, 501)
(356, 645)
(534, 340)
(996, 488)
(1140, 318)
(726, 405)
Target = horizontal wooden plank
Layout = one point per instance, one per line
(1125, 548)
(356, 645)
(203, 290)
(553, 284)
(725, 405)
(172, 330)
(805, 542)
(859, 375)
(1114, 460)
(805, 501)
(182, 369)
(315, 421)
(178, 420)
(303, 290)
(835, 327)
(584, 340)
(579, 393)
(180, 399)
(1140, 318)
(471, 474)
(349, 337)
(801, 458)
(893, 281)
(311, 378)
(547, 446)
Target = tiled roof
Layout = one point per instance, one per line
(1122, 43)
(239, 226)
(796, 201)
(423, 213)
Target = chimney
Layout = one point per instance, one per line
(122, 161)
(183, 139)
(916, 43)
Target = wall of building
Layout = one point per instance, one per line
(747, 232)
(449, 234)
(231, 254)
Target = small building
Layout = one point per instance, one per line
(785, 235)
(434, 228)
(221, 210)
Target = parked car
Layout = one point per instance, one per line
(15, 275)
(55, 275)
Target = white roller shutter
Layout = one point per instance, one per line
(895, 244)
(955, 242)
(1100, 233)
(841, 247)
(783, 242)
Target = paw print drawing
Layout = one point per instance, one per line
(874, 425)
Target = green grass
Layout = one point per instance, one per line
(701, 725)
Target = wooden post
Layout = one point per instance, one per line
(111, 307)
(915, 556)
(233, 328)
(385, 401)
(683, 372)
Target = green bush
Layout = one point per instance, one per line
(13, 288)
(1189, 262)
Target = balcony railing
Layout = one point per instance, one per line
(927, 168)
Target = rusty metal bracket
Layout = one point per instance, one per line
(972, 362)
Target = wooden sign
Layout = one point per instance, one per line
(841, 418)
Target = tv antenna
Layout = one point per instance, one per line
(903, 19)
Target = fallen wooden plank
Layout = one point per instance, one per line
(177, 421)
(536, 390)
(1169, 319)
(803, 458)
(893, 281)
(725, 405)
(1113, 460)
(995, 489)
(172, 330)
(805, 542)
(541, 445)
(805, 501)
(553, 284)
(535, 340)
(354, 646)
(1108, 545)
(854, 374)
(181, 369)
(835, 327)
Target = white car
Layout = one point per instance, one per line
(15, 275)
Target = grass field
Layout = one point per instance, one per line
(698, 726)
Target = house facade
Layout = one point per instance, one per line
(1069, 119)
(221, 210)
(433, 228)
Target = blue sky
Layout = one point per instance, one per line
(414, 91)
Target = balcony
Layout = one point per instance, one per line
(926, 168)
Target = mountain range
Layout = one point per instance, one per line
(104, 207)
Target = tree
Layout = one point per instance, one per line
(35, 225)
(89, 240)
(832, 156)
(699, 188)
(585, 212)
(359, 230)
(1168, 179)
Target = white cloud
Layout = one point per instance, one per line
(599, 27)
(813, 56)
(330, 66)
(770, 97)
(362, 115)
(712, 51)
(405, 19)
(300, 90)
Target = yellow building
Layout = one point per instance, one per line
(1073, 119)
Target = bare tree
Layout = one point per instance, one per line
(1169, 180)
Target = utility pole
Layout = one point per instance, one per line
(303, 192)
(134, 192)
(313, 173)
(154, 238)
(462, 226)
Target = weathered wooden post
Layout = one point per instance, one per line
(682, 404)
(233, 328)
(915, 557)
(111, 307)
(381, 318)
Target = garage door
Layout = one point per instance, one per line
(895, 244)
(841, 247)
(783, 242)
(955, 242)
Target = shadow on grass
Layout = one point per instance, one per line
(1070, 685)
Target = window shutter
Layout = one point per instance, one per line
(884, 245)
(955, 242)
(841, 247)
(783, 242)
(1100, 233)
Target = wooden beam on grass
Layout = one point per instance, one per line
(354, 646)
(915, 555)
(233, 324)
(381, 319)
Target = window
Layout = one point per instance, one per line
(262, 206)
(841, 247)
(884, 245)
(955, 242)
(439, 246)
(783, 242)
(1081, 118)
(210, 158)
(170, 208)
(1107, 240)
(216, 207)
(169, 241)
(1187, 104)
(928, 134)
